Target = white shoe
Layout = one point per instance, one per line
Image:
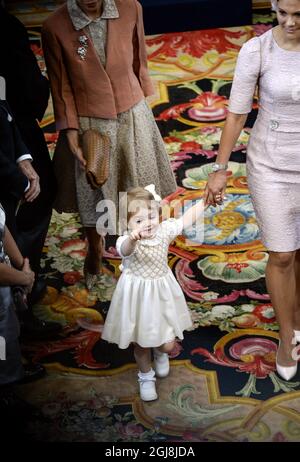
(297, 335)
(147, 385)
(161, 363)
(286, 372)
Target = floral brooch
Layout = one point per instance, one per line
(82, 50)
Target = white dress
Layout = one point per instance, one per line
(148, 306)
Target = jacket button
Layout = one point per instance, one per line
(274, 124)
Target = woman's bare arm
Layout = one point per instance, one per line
(230, 134)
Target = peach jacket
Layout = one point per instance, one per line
(80, 84)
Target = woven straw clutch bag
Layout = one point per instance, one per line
(96, 147)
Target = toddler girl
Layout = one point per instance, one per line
(148, 307)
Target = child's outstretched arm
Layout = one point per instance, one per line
(128, 246)
(193, 214)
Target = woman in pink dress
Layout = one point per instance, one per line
(273, 162)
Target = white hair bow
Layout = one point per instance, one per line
(151, 189)
(274, 5)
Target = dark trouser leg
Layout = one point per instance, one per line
(32, 223)
(33, 218)
(10, 205)
(31, 242)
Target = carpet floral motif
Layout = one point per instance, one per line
(223, 385)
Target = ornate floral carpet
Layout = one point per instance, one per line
(223, 385)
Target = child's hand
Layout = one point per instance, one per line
(135, 235)
(30, 276)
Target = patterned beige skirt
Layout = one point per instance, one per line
(137, 158)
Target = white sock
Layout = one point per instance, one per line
(146, 375)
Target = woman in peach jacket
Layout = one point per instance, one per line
(97, 65)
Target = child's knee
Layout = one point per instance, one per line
(167, 347)
(141, 351)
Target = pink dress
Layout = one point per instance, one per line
(273, 154)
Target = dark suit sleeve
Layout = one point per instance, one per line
(27, 88)
(12, 180)
(20, 147)
(11, 141)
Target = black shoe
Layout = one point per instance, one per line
(16, 414)
(9, 400)
(32, 372)
(37, 329)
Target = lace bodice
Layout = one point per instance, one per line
(150, 257)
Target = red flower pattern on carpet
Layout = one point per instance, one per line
(195, 43)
